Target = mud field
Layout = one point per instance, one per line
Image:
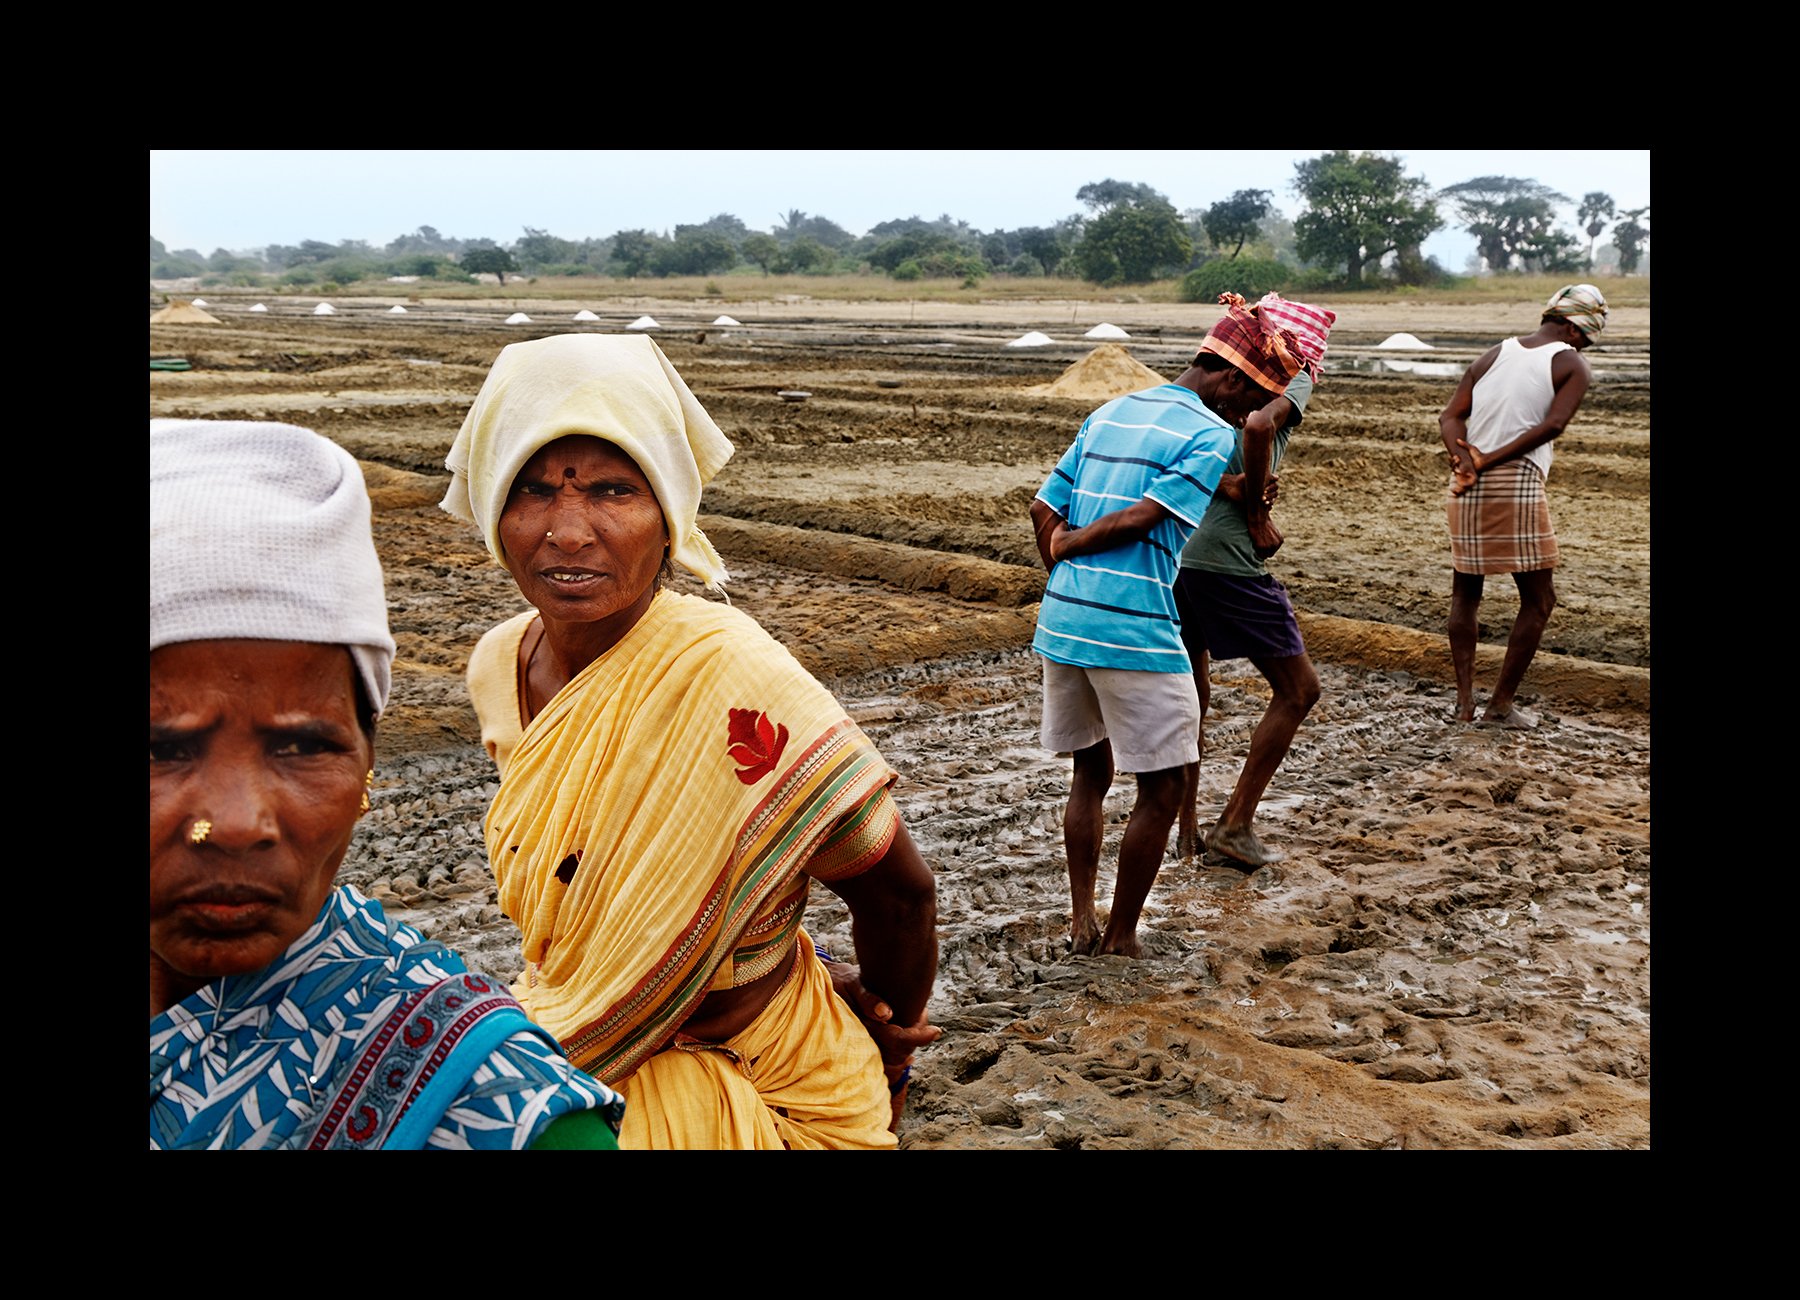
(1454, 952)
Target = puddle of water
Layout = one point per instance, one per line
(1603, 936)
(1611, 368)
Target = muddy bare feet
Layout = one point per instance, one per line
(1515, 719)
(1187, 842)
(1084, 936)
(1239, 847)
(1129, 947)
(1465, 709)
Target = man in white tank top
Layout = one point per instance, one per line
(1498, 429)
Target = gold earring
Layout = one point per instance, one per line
(368, 781)
(199, 831)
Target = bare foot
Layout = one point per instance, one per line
(1465, 708)
(1084, 936)
(1123, 948)
(1514, 718)
(1187, 842)
(1240, 847)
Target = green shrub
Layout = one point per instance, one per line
(909, 270)
(1025, 266)
(175, 268)
(1313, 279)
(1248, 276)
(300, 275)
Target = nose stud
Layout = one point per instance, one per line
(198, 832)
(549, 534)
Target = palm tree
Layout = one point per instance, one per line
(1596, 207)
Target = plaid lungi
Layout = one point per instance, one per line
(1502, 524)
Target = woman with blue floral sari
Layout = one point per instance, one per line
(287, 1011)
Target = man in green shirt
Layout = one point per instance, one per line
(1231, 607)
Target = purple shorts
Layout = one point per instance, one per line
(1230, 617)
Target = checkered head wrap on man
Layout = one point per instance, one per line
(1260, 348)
(1309, 325)
(261, 531)
(1582, 305)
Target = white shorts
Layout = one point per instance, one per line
(1152, 719)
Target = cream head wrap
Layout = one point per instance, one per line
(1582, 305)
(261, 531)
(614, 387)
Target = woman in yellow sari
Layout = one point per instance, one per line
(672, 780)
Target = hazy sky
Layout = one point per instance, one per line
(240, 199)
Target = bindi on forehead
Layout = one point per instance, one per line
(569, 471)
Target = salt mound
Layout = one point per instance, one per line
(182, 312)
(1105, 331)
(396, 310)
(1406, 341)
(518, 318)
(1032, 340)
(1108, 371)
(726, 320)
(643, 323)
(259, 307)
(200, 302)
(585, 314)
(324, 309)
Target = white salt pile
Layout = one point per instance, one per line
(396, 310)
(643, 323)
(726, 320)
(518, 318)
(1105, 331)
(1031, 340)
(1408, 342)
(584, 314)
(324, 309)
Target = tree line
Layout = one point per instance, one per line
(1361, 219)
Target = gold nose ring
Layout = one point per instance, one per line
(199, 831)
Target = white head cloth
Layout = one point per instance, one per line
(261, 531)
(1582, 305)
(619, 388)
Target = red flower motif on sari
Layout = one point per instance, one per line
(755, 743)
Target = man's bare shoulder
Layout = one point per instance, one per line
(1569, 362)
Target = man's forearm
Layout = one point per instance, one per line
(1531, 438)
(1259, 447)
(1043, 523)
(1452, 431)
(1132, 524)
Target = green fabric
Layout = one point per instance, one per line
(1221, 544)
(582, 1130)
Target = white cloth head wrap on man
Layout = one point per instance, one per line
(1582, 305)
(262, 531)
(618, 388)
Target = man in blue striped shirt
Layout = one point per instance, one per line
(1118, 686)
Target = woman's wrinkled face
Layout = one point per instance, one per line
(583, 533)
(259, 742)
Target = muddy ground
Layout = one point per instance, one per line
(1454, 951)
